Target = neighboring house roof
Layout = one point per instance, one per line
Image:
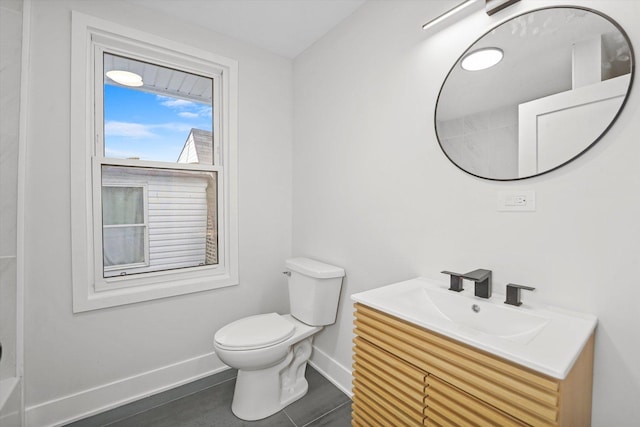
(198, 148)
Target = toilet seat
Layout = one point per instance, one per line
(254, 332)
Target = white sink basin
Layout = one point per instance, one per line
(545, 339)
(497, 320)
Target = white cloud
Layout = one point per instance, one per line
(187, 109)
(139, 130)
(136, 130)
(200, 112)
(205, 111)
(175, 102)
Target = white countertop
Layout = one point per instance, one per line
(543, 338)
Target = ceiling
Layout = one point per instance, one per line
(284, 27)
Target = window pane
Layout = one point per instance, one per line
(122, 205)
(123, 245)
(168, 118)
(182, 226)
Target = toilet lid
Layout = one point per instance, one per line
(254, 332)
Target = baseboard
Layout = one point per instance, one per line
(89, 402)
(331, 370)
(66, 409)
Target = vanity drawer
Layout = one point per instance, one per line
(526, 395)
(397, 373)
(393, 389)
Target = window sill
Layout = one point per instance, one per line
(98, 299)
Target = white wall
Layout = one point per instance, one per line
(10, 54)
(373, 192)
(73, 359)
(10, 300)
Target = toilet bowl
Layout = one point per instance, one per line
(271, 350)
(270, 377)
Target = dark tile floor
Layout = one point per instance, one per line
(207, 402)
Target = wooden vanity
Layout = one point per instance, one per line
(407, 375)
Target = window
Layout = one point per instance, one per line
(167, 222)
(155, 211)
(164, 117)
(124, 229)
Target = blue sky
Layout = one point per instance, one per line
(149, 126)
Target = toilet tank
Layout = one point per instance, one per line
(314, 291)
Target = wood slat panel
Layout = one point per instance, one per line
(466, 410)
(414, 392)
(389, 397)
(411, 400)
(360, 416)
(445, 417)
(389, 365)
(371, 409)
(356, 418)
(433, 422)
(505, 387)
(368, 415)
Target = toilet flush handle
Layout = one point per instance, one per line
(287, 273)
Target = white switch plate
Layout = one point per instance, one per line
(517, 201)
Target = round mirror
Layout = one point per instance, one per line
(534, 93)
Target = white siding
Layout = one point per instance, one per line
(177, 223)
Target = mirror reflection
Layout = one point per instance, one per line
(534, 93)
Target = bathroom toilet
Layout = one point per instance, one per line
(271, 350)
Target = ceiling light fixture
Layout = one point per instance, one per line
(448, 13)
(491, 7)
(495, 6)
(125, 78)
(482, 59)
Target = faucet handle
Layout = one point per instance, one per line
(477, 275)
(455, 281)
(513, 293)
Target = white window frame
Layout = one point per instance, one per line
(91, 290)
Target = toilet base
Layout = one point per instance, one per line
(263, 392)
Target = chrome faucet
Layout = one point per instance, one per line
(481, 277)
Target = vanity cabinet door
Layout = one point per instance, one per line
(447, 405)
(387, 391)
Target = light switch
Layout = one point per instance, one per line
(517, 201)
